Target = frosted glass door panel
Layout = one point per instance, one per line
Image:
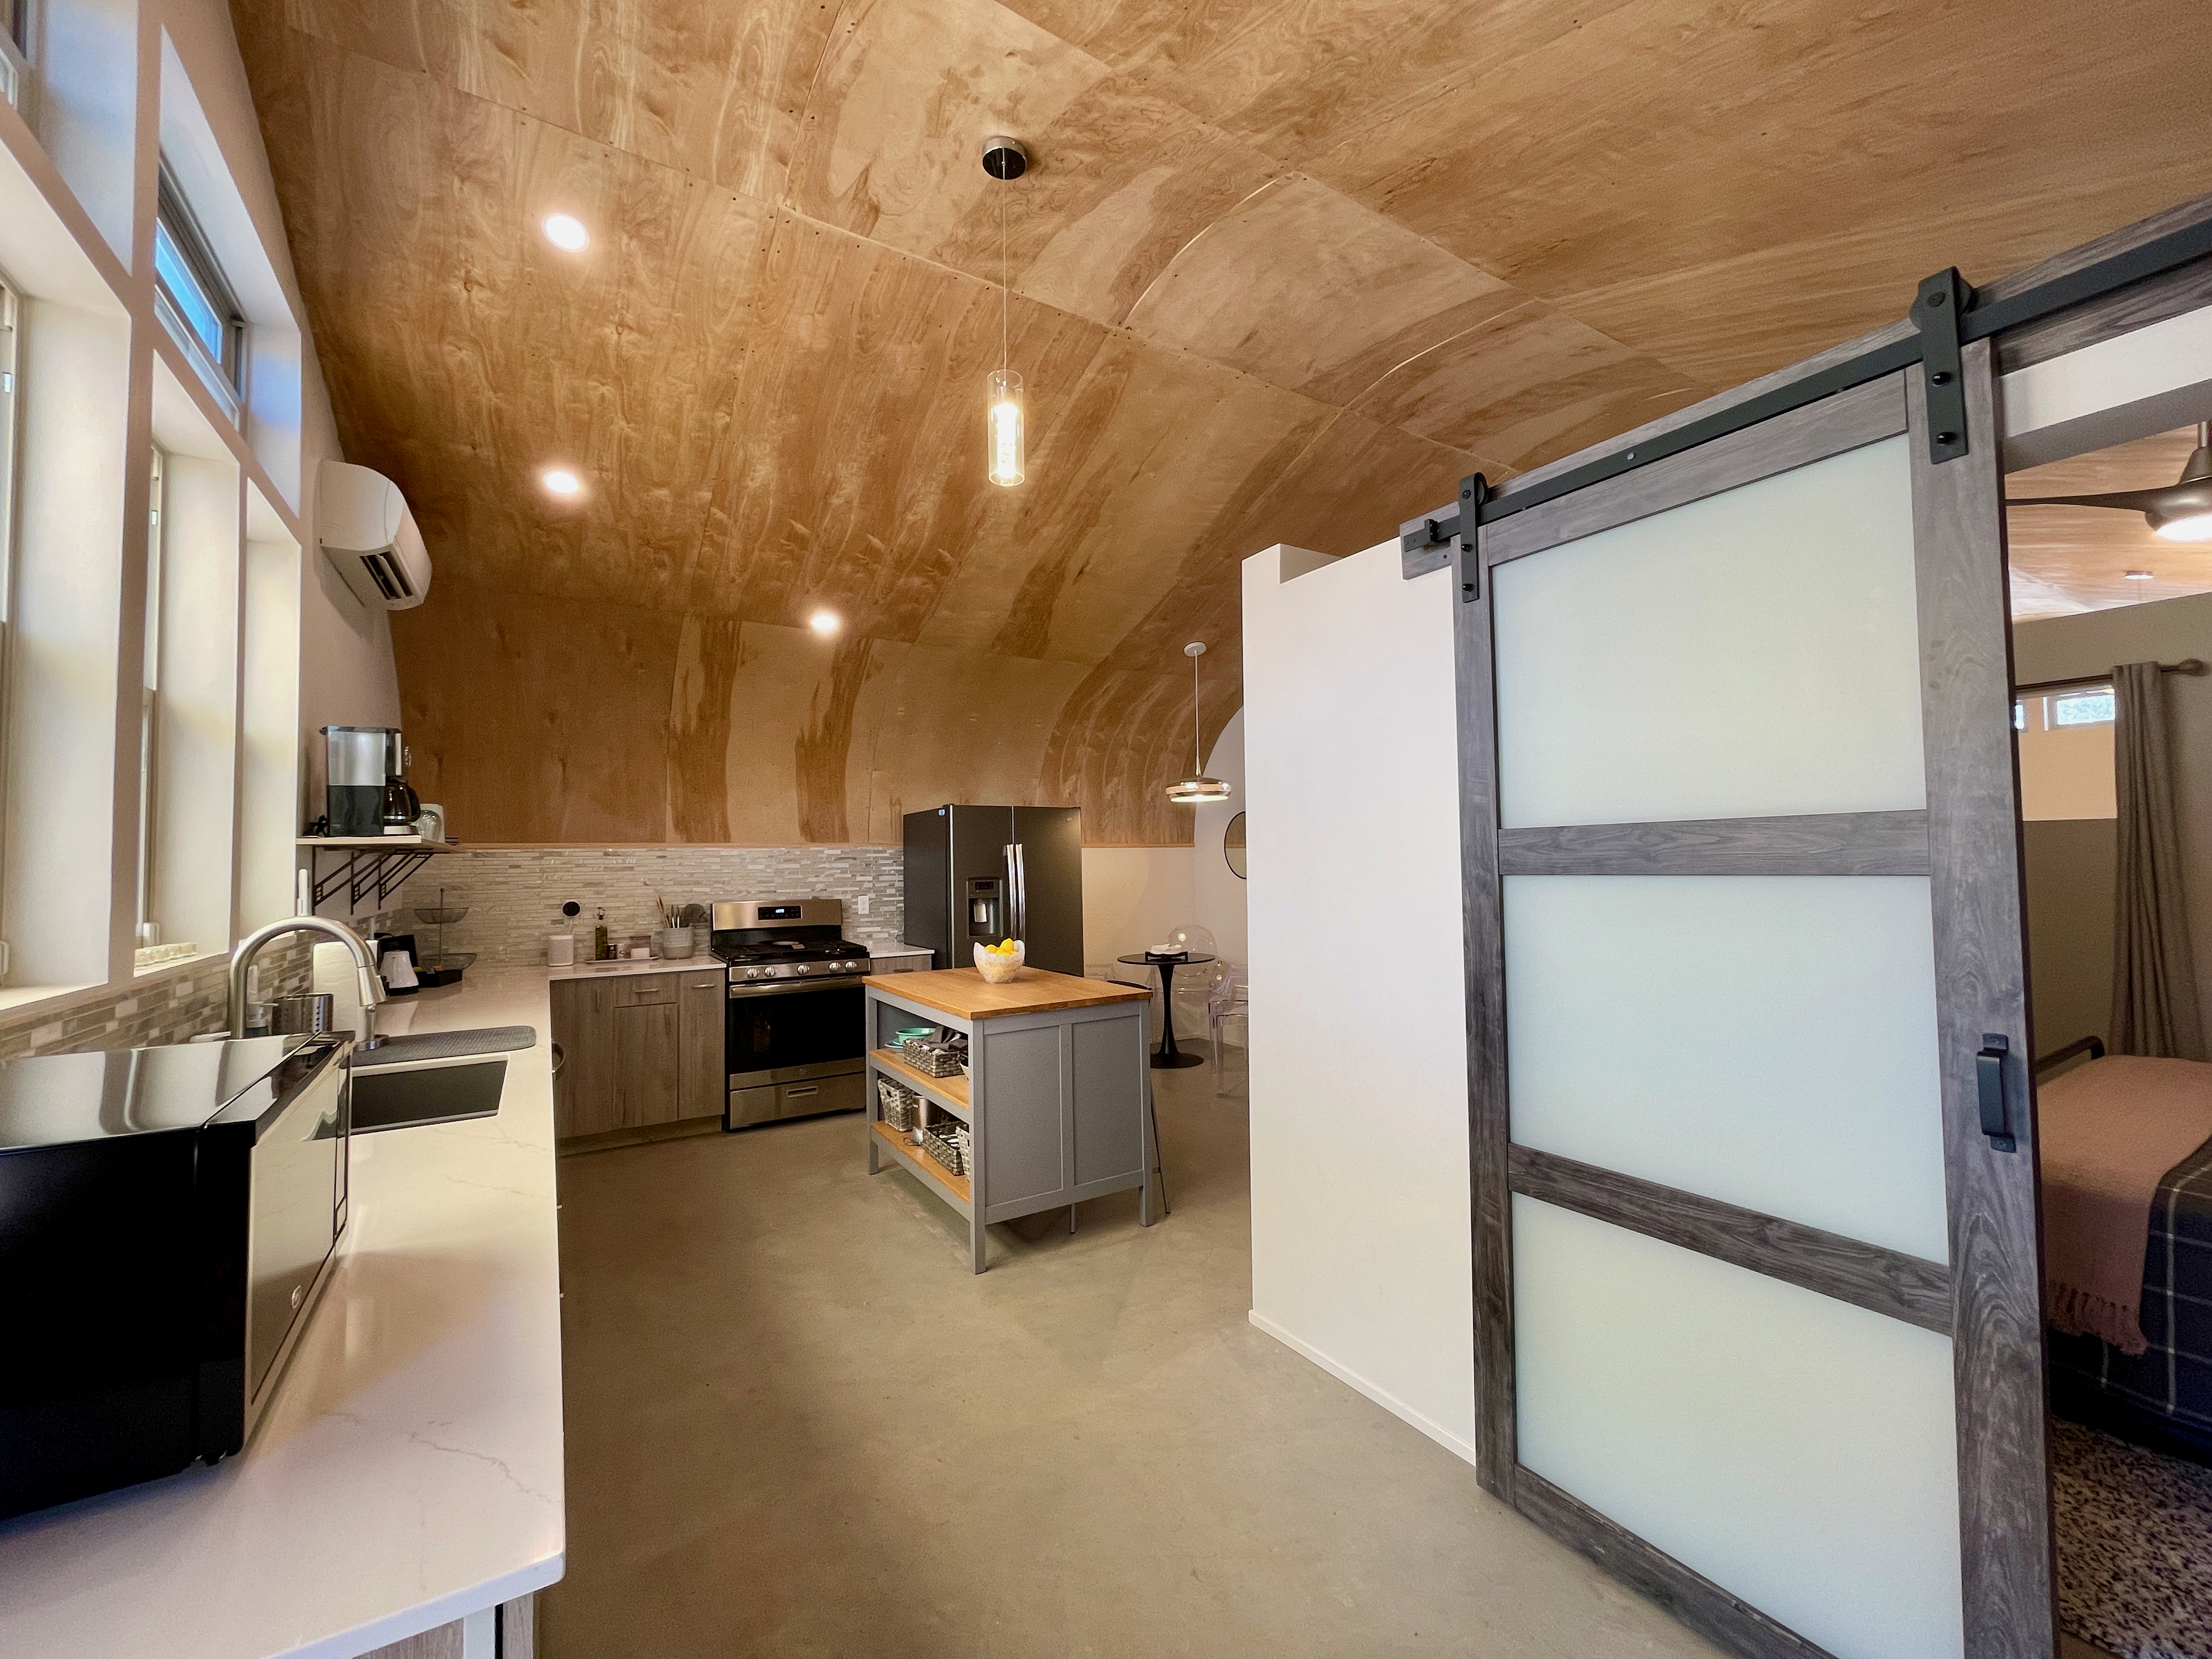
(1752, 654)
(1795, 1450)
(1768, 1041)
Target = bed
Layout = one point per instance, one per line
(2161, 1396)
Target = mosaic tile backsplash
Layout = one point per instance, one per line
(170, 1005)
(514, 895)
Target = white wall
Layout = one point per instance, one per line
(1218, 891)
(1360, 1247)
(1132, 896)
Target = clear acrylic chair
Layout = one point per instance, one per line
(1227, 1005)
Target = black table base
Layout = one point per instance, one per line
(1167, 1057)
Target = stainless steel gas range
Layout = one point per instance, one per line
(795, 1028)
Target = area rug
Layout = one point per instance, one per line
(2134, 1546)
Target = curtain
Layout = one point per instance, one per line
(2154, 1009)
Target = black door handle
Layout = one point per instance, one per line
(1989, 1078)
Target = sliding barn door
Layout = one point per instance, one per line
(1759, 1309)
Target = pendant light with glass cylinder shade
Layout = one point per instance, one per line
(1005, 160)
(1197, 789)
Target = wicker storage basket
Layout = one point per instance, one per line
(901, 1103)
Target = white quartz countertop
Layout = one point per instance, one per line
(623, 967)
(409, 1470)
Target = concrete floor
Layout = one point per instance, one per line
(798, 1425)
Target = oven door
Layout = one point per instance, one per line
(777, 1033)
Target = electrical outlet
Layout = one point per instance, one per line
(860, 905)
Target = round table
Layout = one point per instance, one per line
(1167, 1055)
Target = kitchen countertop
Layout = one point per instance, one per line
(966, 994)
(409, 1470)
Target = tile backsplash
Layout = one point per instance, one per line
(170, 1005)
(514, 895)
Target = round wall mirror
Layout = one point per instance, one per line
(1232, 845)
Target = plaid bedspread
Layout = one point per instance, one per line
(2168, 1389)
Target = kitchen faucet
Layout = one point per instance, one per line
(372, 988)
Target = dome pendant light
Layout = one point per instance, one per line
(1005, 160)
(1197, 789)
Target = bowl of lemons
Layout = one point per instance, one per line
(999, 963)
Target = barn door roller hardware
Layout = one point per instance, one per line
(1947, 315)
(1938, 311)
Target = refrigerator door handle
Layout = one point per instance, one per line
(1012, 915)
(1022, 891)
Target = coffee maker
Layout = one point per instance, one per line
(368, 793)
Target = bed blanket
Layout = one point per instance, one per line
(2109, 1132)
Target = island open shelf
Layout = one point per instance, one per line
(1057, 1098)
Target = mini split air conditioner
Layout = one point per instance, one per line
(363, 526)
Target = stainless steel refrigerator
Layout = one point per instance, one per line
(976, 875)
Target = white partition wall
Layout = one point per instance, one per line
(1360, 1255)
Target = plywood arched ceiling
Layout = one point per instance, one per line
(1282, 271)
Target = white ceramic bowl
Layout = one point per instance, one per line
(997, 969)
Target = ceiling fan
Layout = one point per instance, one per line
(2180, 512)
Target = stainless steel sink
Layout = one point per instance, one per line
(396, 1097)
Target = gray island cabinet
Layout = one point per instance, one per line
(1055, 1099)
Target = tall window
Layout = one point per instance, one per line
(148, 933)
(14, 45)
(194, 297)
(2065, 740)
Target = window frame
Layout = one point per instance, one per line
(174, 219)
(149, 704)
(11, 451)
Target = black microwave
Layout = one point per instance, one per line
(167, 1218)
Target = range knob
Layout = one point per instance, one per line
(803, 968)
(752, 973)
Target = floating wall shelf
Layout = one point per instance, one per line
(377, 864)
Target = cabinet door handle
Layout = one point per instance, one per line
(795, 1094)
(560, 1059)
(1989, 1079)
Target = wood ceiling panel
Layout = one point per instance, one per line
(1670, 135)
(1283, 270)
(715, 90)
(1737, 318)
(1528, 387)
(1305, 288)
(538, 719)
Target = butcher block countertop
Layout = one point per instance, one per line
(964, 993)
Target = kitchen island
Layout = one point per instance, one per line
(408, 1473)
(1056, 1098)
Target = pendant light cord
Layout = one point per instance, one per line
(1196, 766)
(1002, 280)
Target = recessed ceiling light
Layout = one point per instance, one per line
(825, 621)
(565, 230)
(559, 481)
(2139, 575)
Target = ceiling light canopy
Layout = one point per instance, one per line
(2138, 575)
(825, 621)
(559, 481)
(1197, 789)
(565, 230)
(2180, 512)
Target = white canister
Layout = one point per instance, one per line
(560, 950)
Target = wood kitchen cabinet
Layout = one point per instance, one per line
(638, 1050)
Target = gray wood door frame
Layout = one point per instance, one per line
(1989, 1299)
